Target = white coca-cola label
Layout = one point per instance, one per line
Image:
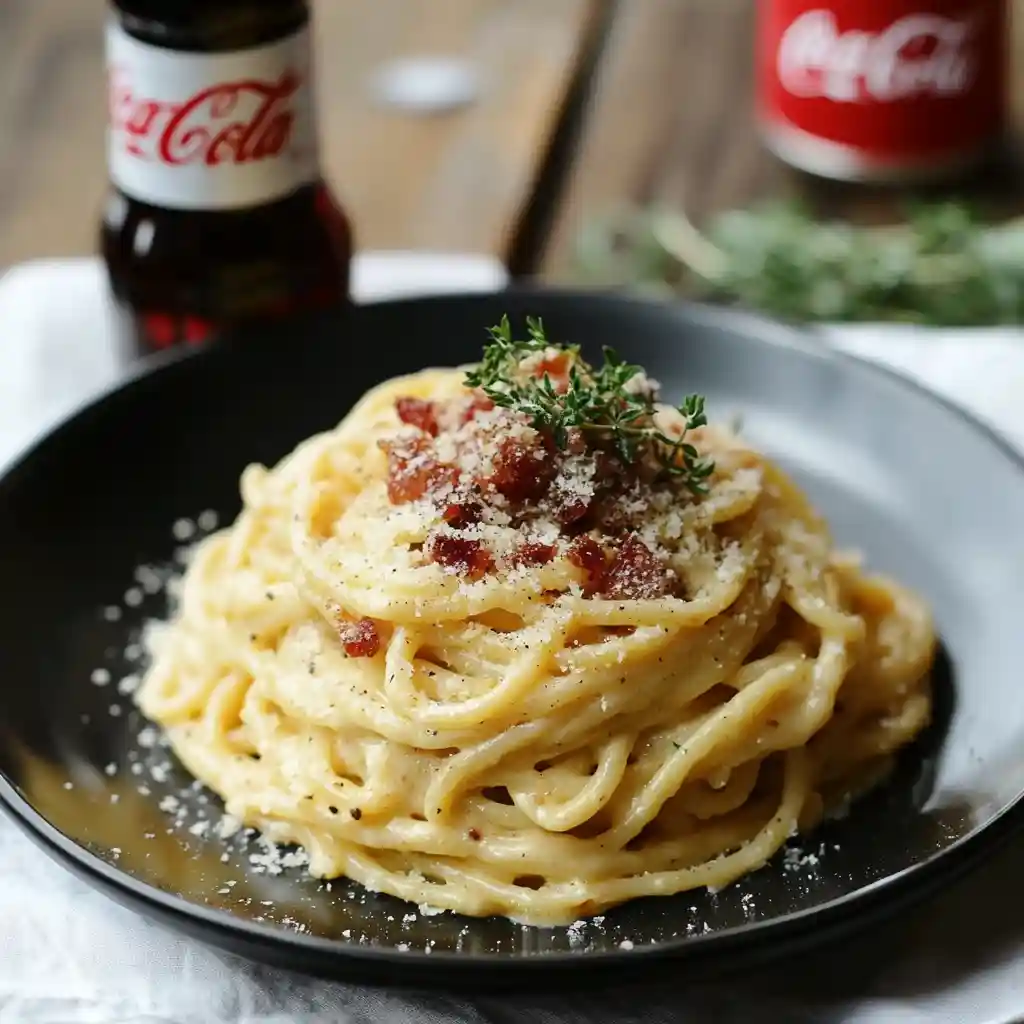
(918, 55)
(198, 131)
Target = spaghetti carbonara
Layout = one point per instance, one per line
(533, 647)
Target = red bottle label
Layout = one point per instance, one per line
(896, 81)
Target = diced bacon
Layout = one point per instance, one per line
(555, 366)
(360, 639)
(478, 403)
(572, 511)
(635, 573)
(610, 471)
(459, 514)
(521, 473)
(568, 504)
(413, 471)
(460, 555)
(417, 412)
(607, 514)
(588, 555)
(507, 496)
(613, 479)
(533, 553)
(575, 441)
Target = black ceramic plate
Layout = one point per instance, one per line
(929, 495)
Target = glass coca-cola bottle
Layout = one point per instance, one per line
(218, 213)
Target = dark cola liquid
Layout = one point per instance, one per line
(181, 277)
(180, 274)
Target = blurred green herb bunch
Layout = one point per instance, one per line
(943, 266)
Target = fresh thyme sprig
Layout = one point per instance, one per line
(943, 265)
(596, 400)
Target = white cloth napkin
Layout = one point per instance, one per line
(57, 338)
(71, 956)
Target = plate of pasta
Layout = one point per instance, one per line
(465, 638)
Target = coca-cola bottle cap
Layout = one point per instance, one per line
(210, 24)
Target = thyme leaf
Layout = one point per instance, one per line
(601, 402)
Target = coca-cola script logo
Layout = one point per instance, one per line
(919, 55)
(227, 123)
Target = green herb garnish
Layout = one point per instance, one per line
(596, 401)
(942, 266)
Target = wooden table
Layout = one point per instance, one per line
(671, 122)
(583, 105)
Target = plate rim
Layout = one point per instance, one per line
(905, 887)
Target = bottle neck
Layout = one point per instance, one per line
(210, 26)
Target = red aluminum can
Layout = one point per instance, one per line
(882, 90)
